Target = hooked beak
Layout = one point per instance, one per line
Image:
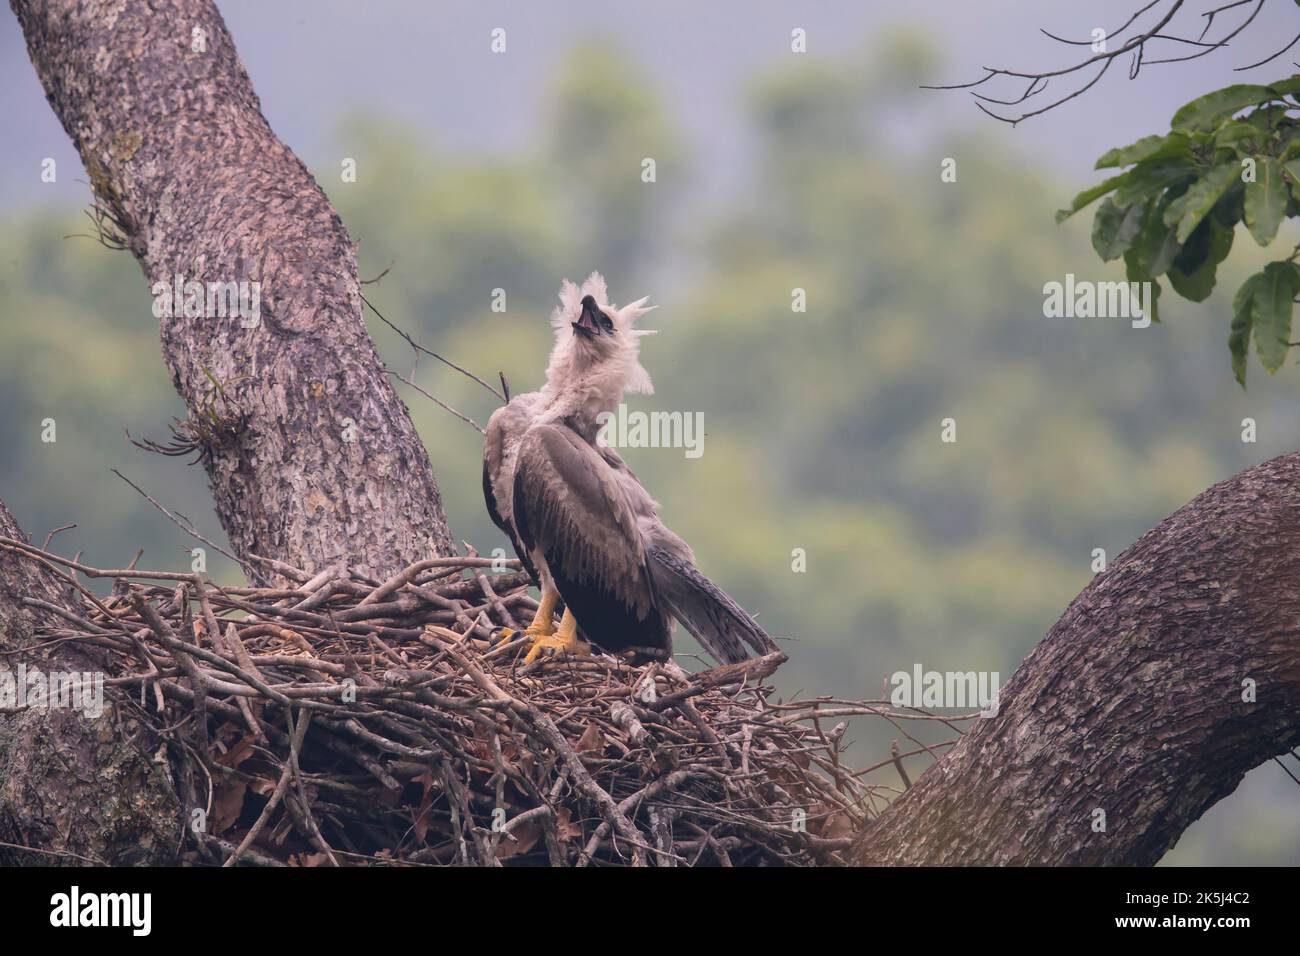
(588, 324)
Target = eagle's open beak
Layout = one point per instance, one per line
(588, 324)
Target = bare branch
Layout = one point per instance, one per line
(420, 349)
(1135, 45)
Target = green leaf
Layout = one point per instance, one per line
(1266, 200)
(1114, 229)
(1266, 118)
(1230, 135)
(1153, 249)
(1292, 148)
(1231, 208)
(1133, 275)
(1088, 196)
(1208, 110)
(1149, 179)
(1243, 317)
(1291, 85)
(1194, 286)
(1192, 273)
(1187, 211)
(1155, 300)
(1271, 312)
(1147, 148)
(1293, 170)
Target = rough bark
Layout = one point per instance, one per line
(1133, 703)
(312, 456)
(75, 788)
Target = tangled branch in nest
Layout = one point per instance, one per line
(339, 720)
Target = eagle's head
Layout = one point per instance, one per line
(596, 343)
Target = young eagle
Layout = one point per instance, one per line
(580, 521)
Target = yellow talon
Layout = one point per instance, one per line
(543, 624)
(563, 641)
(504, 635)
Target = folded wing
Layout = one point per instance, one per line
(574, 520)
(722, 626)
(506, 426)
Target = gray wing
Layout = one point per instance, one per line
(569, 507)
(501, 429)
(722, 626)
(493, 459)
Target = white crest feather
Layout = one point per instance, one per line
(608, 366)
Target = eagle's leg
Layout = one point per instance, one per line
(563, 641)
(543, 624)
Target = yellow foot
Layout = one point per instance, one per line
(563, 641)
(553, 645)
(504, 635)
(543, 624)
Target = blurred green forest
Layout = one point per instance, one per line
(822, 428)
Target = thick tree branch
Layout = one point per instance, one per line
(1136, 704)
(312, 456)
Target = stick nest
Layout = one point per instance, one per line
(340, 720)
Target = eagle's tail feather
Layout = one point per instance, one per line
(708, 612)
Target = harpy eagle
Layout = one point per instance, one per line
(580, 521)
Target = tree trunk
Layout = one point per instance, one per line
(74, 788)
(1174, 673)
(311, 455)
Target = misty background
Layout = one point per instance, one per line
(775, 171)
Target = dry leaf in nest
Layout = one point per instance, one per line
(227, 804)
(592, 740)
(565, 828)
(235, 754)
(525, 837)
(228, 794)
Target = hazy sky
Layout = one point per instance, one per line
(430, 64)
